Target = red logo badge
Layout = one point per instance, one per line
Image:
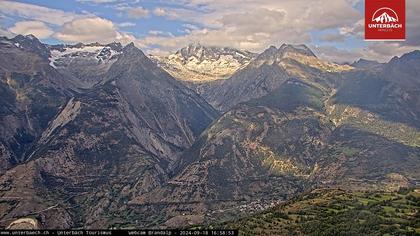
(385, 20)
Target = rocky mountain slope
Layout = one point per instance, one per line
(311, 123)
(101, 136)
(32, 93)
(201, 67)
(85, 64)
(198, 64)
(366, 64)
(103, 146)
(268, 71)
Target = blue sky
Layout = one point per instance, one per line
(332, 28)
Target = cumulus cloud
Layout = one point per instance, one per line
(137, 12)
(157, 52)
(356, 29)
(97, 1)
(159, 11)
(6, 33)
(38, 13)
(383, 51)
(126, 38)
(126, 24)
(181, 14)
(413, 23)
(333, 37)
(244, 24)
(93, 29)
(159, 32)
(353, 2)
(88, 30)
(36, 28)
(253, 25)
(378, 51)
(331, 53)
(72, 27)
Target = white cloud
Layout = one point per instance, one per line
(74, 27)
(159, 11)
(181, 14)
(36, 28)
(245, 24)
(157, 52)
(413, 23)
(383, 51)
(94, 29)
(38, 13)
(333, 37)
(356, 29)
(97, 1)
(252, 25)
(126, 38)
(6, 33)
(137, 12)
(354, 2)
(159, 32)
(378, 51)
(331, 53)
(88, 30)
(126, 24)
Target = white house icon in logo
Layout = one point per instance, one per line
(385, 15)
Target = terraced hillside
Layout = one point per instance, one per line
(337, 212)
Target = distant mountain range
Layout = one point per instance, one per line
(100, 136)
(86, 64)
(196, 63)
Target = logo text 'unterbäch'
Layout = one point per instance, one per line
(385, 20)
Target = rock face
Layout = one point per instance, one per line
(267, 72)
(305, 123)
(32, 93)
(366, 64)
(203, 68)
(85, 64)
(199, 64)
(404, 72)
(103, 146)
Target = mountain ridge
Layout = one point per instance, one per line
(122, 135)
(309, 129)
(199, 64)
(134, 147)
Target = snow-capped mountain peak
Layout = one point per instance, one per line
(202, 53)
(62, 55)
(198, 63)
(86, 63)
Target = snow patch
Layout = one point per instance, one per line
(88, 52)
(199, 67)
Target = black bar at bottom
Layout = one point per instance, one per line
(163, 232)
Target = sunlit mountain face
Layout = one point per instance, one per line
(105, 126)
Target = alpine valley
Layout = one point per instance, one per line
(281, 142)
